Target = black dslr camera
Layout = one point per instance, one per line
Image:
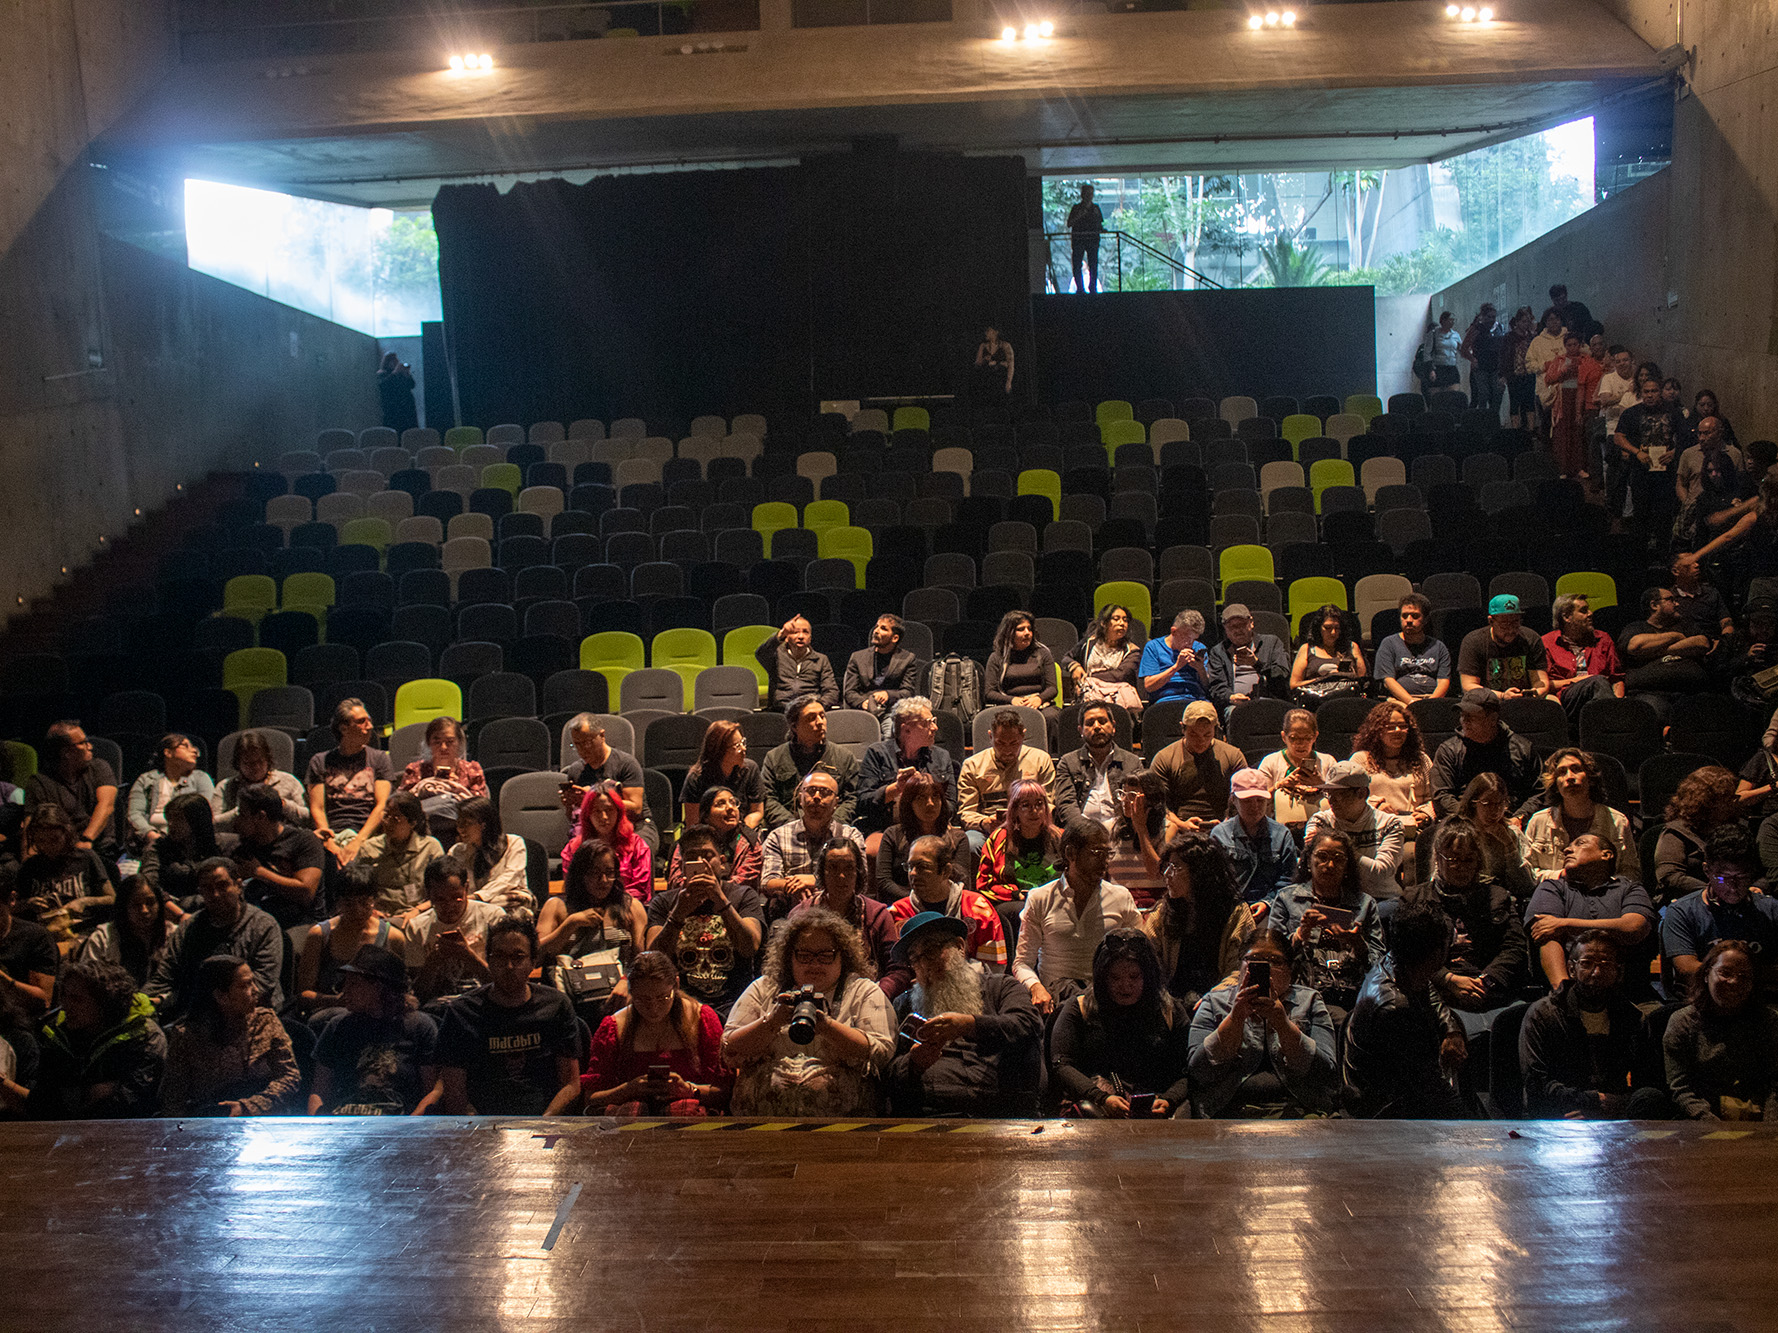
(805, 1016)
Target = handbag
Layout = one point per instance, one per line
(592, 977)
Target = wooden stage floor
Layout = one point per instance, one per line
(922, 1227)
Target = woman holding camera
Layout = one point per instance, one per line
(1119, 1051)
(661, 1054)
(808, 1037)
(1262, 1047)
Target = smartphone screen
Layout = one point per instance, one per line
(1335, 916)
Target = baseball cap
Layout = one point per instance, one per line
(1249, 782)
(1504, 605)
(1199, 710)
(1236, 611)
(1348, 775)
(914, 925)
(1479, 701)
(380, 966)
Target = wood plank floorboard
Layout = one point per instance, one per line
(440, 1224)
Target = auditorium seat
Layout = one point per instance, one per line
(1600, 590)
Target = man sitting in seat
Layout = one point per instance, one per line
(708, 924)
(1377, 834)
(349, 784)
(794, 670)
(1403, 1045)
(1090, 780)
(932, 890)
(1583, 663)
(84, 787)
(1665, 658)
(789, 854)
(882, 675)
(599, 761)
(973, 1049)
(988, 774)
(510, 1048)
(1506, 657)
(1412, 664)
(1245, 665)
(1589, 895)
(1174, 667)
(447, 949)
(282, 865)
(805, 749)
(1726, 908)
(1064, 920)
(1197, 768)
(1580, 1048)
(1262, 854)
(1484, 745)
(225, 924)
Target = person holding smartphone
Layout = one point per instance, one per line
(1332, 922)
(659, 1055)
(1262, 1047)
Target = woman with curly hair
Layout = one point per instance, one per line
(923, 810)
(100, 1055)
(1020, 671)
(1390, 747)
(1103, 667)
(823, 1062)
(603, 815)
(1704, 800)
(1328, 651)
(1122, 1046)
(1198, 926)
(1574, 803)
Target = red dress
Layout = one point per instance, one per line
(610, 1065)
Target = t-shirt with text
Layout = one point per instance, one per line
(509, 1054)
(1501, 666)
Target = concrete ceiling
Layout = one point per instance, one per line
(1376, 85)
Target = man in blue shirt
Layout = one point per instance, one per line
(1413, 665)
(1261, 851)
(1173, 667)
(1589, 894)
(1726, 908)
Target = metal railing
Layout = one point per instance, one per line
(1178, 271)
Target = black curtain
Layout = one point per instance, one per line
(765, 289)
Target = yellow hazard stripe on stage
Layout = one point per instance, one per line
(722, 1126)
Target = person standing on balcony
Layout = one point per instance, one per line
(395, 387)
(1085, 224)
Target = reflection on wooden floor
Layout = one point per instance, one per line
(923, 1227)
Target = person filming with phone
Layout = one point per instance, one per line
(1262, 1047)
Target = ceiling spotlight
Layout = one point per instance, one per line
(1009, 34)
(1288, 18)
(1272, 19)
(457, 63)
(1469, 13)
(1451, 11)
(1484, 14)
(1030, 32)
(1045, 28)
(485, 61)
(1256, 21)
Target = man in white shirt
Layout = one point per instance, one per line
(1376, 834)
(1064, 920)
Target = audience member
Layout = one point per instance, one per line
(839, 888)
(1481, 348)
(1262, 1047)
(1756, 791)
(1086, 223)
(1544, 348)
(283, 865)
(1021, 854)
(376, 1056)
(1022, 673)
(447, 947)
(975, 1043)
(1261, 852)
(1520, 369)
(660, 1055)
(1329, 661)
(28, 958)
(937, 888)
(921, 811)
(1701, 608)
(229, 1056)
(790, 852)
(1575, 377)
(1582, 663)
(1376, 835)
(99, 1056)
(1703, 802)
(494, 862)
(1728, 907)
(1197, 768)
(910, 749)
(1198, 926)
(328, 947)
(61, 887)
(794, 670)
(720, 809)
(225, 924)
(1064, 920)
(1296, 771)
(1487, 956)
(443, 779)
(1136, 857)
(882, 675)
(136, 935)
(806, 749)
(710, 925)
(1121, 1047)
(1648, 433)
(818, 1060)
(396, 859)
(175, 773)
(510, 1048)
(191, 839)
(1486, 808)
(989, 773)
(1332, 922)
(1404, 1046)
(1484, 744)
(1710, 482)
(1442, 342)
(602, 816)
(1588, 895)
(349, 784)
(1664, 660)
(723, 762)
(84, 787)
(1090, 780)
(1573, 314)
(1722, 1048)
(1390, 749)
(256, 766)
(1411, 663)
(1504, 658)
(1245, 664)
(592, 933)
(597, 760)
(1574, 803)
(1581, 1048)
(1173, 665)
(1754, 537)
(1105, 666)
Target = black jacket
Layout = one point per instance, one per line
(1488, 938)
(1274, 669)
(993, 1073)
(1565, 1069)
(1391, 1069)
(1459, 760)
(1074, 783)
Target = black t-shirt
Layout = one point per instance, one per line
(509, 1054)
(1677, 675)
(80, 874)
(28, 948)
(1501, 666)
(749, 788)
(351, 784)
(708, 967)
(79, 798)
(1653, 429)
(618, 767)
(294, 849)
(375, 1062)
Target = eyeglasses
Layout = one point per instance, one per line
(931, 867)
(817, 957)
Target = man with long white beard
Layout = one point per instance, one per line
(970, 1041)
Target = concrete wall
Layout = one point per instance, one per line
(122, 374)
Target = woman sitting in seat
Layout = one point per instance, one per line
(171, 863)
(811, 1035)
(1120, 1050)
(924, 810)
(1296, 771)
(1104, 665)
(604, 816)
(723, 762)
(1574, 803)
(255, 765)
(175, 773)
(1722, 1048)
(492, 860)
(1704, 799)
(589, 937)
(1390, 748)
(137, 933)
(396, 857)
(1329, 657)
(444, 779)
(1486, 803)
(332, 945)
(1262, 1047)
(720, 808)
(1021, 671)
(1025, 851)
(1198, 925)
(229, 1056)
(661, 1055)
